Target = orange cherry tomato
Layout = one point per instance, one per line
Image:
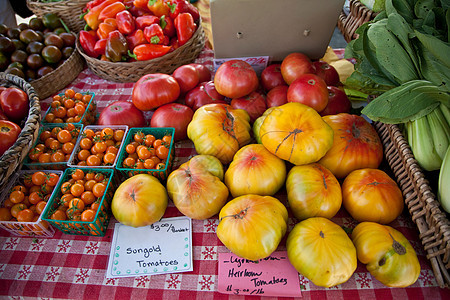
(162, 152)
(25, 215)
(16, 208)
(88, 215)
(99, 189)
(93, 160)
(38, 178)
(59, 215)
(5, 214)
(40, 206)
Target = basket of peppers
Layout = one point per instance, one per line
(124, 40)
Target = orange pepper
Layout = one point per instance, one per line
(106, 27)
(91, 17)
(111, 10)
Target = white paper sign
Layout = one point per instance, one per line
(259, 63)
(160, 248)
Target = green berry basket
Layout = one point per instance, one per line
(158, 133)
(88, 117)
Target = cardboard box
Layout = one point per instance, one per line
(242, 28)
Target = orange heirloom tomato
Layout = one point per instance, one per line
(387, 254)
(195, 191)
(321, 251)
(254, 170)
(219, 130)
(356, 145)
(252, 226)
(296, 132)
(139, 201)
(313, 191)
(371, 195)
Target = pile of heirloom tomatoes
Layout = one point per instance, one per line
(118, 30)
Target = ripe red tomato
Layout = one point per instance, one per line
(254, 104)
(271, 77)
(309, 89)
(277, 96)
(173, 115)
(235, 79)
(14, 103)
(204, 93)
(9, 132)
(154, 90)
(294, 65)
(122, 113)
(204, 73)
(187, 77)
(326, 72)
(338, 102)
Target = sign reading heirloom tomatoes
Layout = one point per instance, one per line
(270, 276)
(161, 248)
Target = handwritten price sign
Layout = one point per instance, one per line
(271, 276)
(160, 248)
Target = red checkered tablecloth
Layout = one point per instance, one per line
(74, 267)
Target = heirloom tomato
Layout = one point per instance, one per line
(277, 96)
(9, 132)
(313, 191)
(252, 226)
(295, 132)
(139, 201)
(257, 125)
(154, 90)
(219, 130)
(356, 145)
(294, 65)
(254, 170)
(14, 103)
(204, 74)
(371, 195)
(187, 77)
(338, 102)
(387, 254)
(174, 115)
(235, 79)
(202, 94)
(196, 192)
(326, 72)
(254, 104)
(122, 113)
(208, 163)
(309, 89)
(271, 77)
(321, 251)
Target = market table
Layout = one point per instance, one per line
(74, 267)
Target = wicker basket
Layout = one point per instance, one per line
(60, 77)
(68, 10)
(358, 15)
(12, 159)
(133, 71)
(425, 210)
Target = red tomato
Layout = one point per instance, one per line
(122, 113)
(326, 72)
(187, 77)
(271, 77)
(154, 90)
(338, 102)
(3, 116)
(204, 73)
(309, 89)
(254, 104)
(14, 103)
(235, 79)
(9, 132)
(277, 96)
(294, 65)
(173, 115)
(204, 93)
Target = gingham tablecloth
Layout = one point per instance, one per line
(74, 267)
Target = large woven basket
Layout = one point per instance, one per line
(133, 71)
(358, 15)
(12, 159)
(432, 222)
(68, 10)
(60, 77)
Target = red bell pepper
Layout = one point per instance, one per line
(149, 51)
(116, 47)
(185, 26)
(87, 42)
(158, 7)
(125, 22)
(144, 21)
(180, 6)
(91, 17)
(91, 4)
(167, 26)
(154, 34)
(111, 10)
(100, 47)
(109, 25)
(136, 38)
